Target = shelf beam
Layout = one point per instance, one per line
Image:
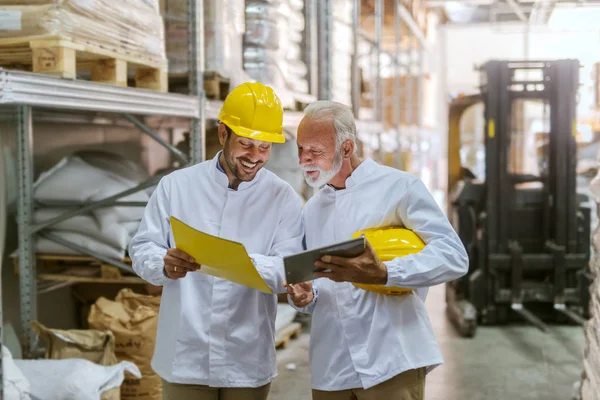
(38, 90)
(412, 25)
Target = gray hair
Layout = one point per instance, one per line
(343, 119)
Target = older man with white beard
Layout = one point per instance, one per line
(367, 345)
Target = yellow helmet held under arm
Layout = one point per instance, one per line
(389, 243)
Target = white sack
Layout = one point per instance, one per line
(46, 246)
(16, 386)
(72, 179)
(115, 235)
(73, 379)
(131, 228)
(115, 164)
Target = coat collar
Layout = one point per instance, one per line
(221, 178)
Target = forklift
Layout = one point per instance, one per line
(527, 234)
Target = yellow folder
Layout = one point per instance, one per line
(218, 257)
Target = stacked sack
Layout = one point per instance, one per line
(341, 58)
(273, 43)
(590, 387)
(223, 30)
(85, 177)
(133, 320)
(291, 44)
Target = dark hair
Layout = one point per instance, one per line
(227, 129)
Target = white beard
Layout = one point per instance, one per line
(324, 176)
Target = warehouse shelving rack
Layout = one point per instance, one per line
(21, 92)
(408, 61)
(24, 91)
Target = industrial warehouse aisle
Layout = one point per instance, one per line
(516, 363)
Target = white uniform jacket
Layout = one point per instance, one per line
(211, 331)
(360, 338)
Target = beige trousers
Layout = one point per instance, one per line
(176, 391)
(409, 385)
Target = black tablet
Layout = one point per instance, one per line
(300, 267)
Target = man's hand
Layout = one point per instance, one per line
(178, 263)
(366, 268)
(300, 293)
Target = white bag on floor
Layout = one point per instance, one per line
(73, 379)
(16, 386)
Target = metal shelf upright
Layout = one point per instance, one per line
(21, 91)
(401, 60)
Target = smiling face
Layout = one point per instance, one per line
(242, 157)
(319, 155)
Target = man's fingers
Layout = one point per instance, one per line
(341, 261)
(177, 275)
(181, 255)
(301, 297)
(329, 275)
(332, 267)
(180, 263)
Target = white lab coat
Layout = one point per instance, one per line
(360, 338)
(211, 331)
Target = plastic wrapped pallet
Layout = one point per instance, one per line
(341, 59)
(132, 27)
(223, 31)
(590, 387)
(273, 43)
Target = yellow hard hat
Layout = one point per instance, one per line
(254, 111)
(389, 243)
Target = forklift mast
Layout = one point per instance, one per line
(500, 88)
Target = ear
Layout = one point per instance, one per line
(348, 149)
(222, 134)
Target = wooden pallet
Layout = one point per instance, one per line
(285, 335)
(78, 269)
(64, 58)
(215, 86)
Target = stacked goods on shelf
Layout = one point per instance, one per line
(223, 30)
(291, 39)
(85, 177)
(341, 58)
(591, 379)
(262, 42)
(409, 105)
(273, 44)
(53, 36)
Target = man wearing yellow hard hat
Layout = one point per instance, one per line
(215, 338)
(371, 337)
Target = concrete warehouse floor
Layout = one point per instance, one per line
(513, 362)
